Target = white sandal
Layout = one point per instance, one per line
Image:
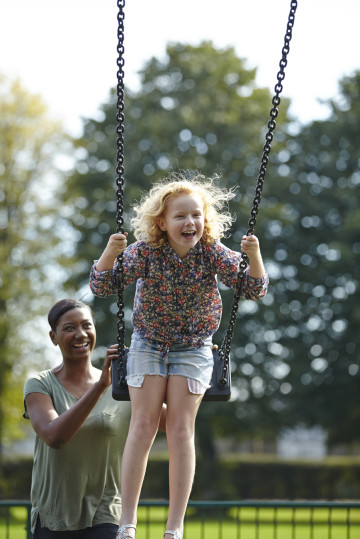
(176, 535)
(122, 534)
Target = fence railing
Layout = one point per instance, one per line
(224, 520)
(15, 515)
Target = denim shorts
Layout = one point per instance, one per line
(148, 357)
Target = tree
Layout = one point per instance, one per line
(30, 241)
(301, 363)
(318, 265)
(197, 109)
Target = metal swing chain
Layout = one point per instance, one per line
(224, 351)
(120, 117)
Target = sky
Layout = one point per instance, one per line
(66, 51)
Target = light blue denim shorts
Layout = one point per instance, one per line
(147, 357)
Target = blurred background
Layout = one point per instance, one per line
(199, 81)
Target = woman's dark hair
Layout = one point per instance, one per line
(63, 306)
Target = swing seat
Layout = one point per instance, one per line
(220, 383)
(219, 390)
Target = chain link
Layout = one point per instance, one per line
(224, 351)
(120, 128)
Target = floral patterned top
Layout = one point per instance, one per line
(177, 300)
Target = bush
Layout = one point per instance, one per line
(15, 479)
(233, 478)
(251, 477)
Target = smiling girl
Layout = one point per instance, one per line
(177, 308)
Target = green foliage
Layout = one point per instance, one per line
(236, 477)
(29, 240)
(294, 355)
(198, 109)
(314, 340)
(15, 481)
(264, 477)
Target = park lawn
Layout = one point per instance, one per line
(251, 523)
(246, 523)
(17, 523)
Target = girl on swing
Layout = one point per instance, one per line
(177, 308)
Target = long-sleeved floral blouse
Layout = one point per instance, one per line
(177, 300)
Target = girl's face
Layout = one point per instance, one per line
(75, 334)
(183, 221)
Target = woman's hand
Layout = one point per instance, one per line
(111, 353)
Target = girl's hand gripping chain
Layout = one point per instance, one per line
(116, 245)
(251, 247)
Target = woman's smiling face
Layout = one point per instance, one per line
(75, 334)
(183, 221)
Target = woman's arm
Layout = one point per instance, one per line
(56, 430)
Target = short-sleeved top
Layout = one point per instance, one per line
(177, 300)
(78, 485)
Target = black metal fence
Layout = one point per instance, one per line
(224, 520)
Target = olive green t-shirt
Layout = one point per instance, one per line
(78, 486)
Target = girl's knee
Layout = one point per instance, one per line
(180, 431)
(143, 427)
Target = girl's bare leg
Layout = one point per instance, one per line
(182, 407)
(146, 405)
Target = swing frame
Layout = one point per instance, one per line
(220, 389)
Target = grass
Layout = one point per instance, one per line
(242, 523)
(13, 523)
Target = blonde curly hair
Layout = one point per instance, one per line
(217, 219)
